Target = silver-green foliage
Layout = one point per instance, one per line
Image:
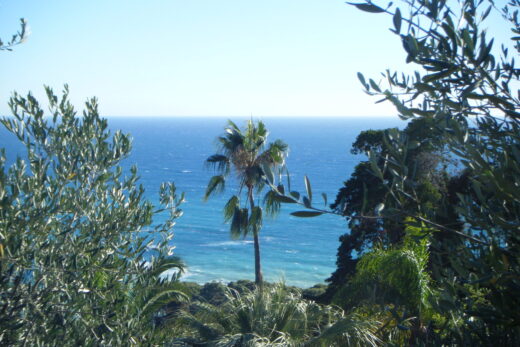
(80, 262)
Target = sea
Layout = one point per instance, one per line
(298, 251)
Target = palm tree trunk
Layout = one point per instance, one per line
(259, 279)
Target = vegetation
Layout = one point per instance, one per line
(79, 260)
(433, 253)
(469, 216)
(466, 90)
(246, 153)
(273, 315)
(436, 186)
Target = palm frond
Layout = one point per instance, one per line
(229, 210)
(233, 126)
(261, 130)
(274, 155)
(350, 331)
(239, 223)
(230, 141)
(216, 185)
(207, 332)
(272, 205)
(278, 150)
(161, 265)
(219, 162)
(161, 298)
(255, 137)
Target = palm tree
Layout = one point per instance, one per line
(254, 162)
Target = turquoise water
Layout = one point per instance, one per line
(302, 251)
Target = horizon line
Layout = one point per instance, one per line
(248, 116)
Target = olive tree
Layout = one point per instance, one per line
(80, 258)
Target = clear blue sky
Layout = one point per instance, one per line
(200, 57)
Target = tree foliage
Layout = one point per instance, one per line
(427, 168)
(80, 262)
(466, 86)
(464, 89)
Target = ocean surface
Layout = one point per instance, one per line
(301, 251)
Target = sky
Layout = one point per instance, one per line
(201, 57)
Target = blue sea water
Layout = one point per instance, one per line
(302, 251)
